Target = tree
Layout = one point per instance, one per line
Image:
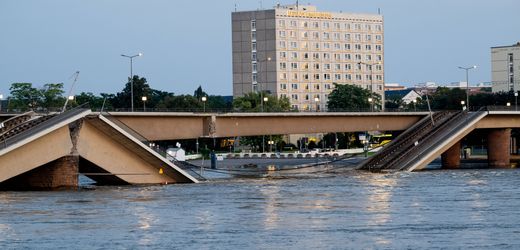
(251, 102)
(199, 93)
(24, 96)
(140, 87)
(351, 97)
(52, 96)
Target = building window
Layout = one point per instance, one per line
(326, 25)
(327, 66)
(294, 65)
(326, 76)
(326, 45)
(347, 37)
(255, 78)
(337, 66)
(253, 46)
(357, 37)
(255, 67)
(336, 36)
(294, 86)
(368, 58)
(283, 55)
(253, 35)
(348, 76)
(315, 25)
(337, 26)
(283, 86)
(316, 76)
(368, 37)
(348, 57)
(357, 46)
(368, 47)
(281, 44)
(358, 57)
(316, 66)
(379, 57)
(294, 55)
(305, 66)
(317, 86)
(294, 97)
(337, 77)
(306, 76)
(326, 56)
(305, 55)
(253, 24)
(316, 55)
(283, 76)
(326, 36)
(283, 65)
(253, 56)
(281, 33)
(379, 38)
(379, 47)
(281, 23)
(305, 24)
(294, 45)
(293, 23)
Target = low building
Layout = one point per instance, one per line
(407, 96)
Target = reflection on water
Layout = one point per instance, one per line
(444, 209)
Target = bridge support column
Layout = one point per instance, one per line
(498, 148)
(451, 158)
(60, 173)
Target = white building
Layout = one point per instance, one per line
(298, 52)
(505, 68)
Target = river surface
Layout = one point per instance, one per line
(342, 209)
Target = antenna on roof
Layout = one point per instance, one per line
(297, 5)
(235, 7)
(379, 11)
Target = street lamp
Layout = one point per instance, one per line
(462, 104)
(415, 105)
(317, 100)
(204, 99)
(467, 82)
(371, 65)
(516, 101)
(508, 104)
(370, 102)
(144, 98)
(132, 78)
(262, 98)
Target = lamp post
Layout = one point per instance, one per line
(131, 78)
(144, 99)
(204, 99)
(467, 82)
(516, 101)
(370, 103)
(508, 104)
(262, 98)
(462, 104)
(317, 101)
(415, 105)
(371, 65)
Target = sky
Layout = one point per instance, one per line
(188, 43)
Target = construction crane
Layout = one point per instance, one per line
(69, 96)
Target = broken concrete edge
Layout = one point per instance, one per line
(44, 132)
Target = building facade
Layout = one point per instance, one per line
(298, 52)
(505, 68)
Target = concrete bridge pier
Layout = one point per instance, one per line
(451, 157)
(60, 173)
(498, 148)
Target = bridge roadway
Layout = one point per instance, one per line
(171, 126)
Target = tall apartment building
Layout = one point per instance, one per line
(505, 68)
(297, 52)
